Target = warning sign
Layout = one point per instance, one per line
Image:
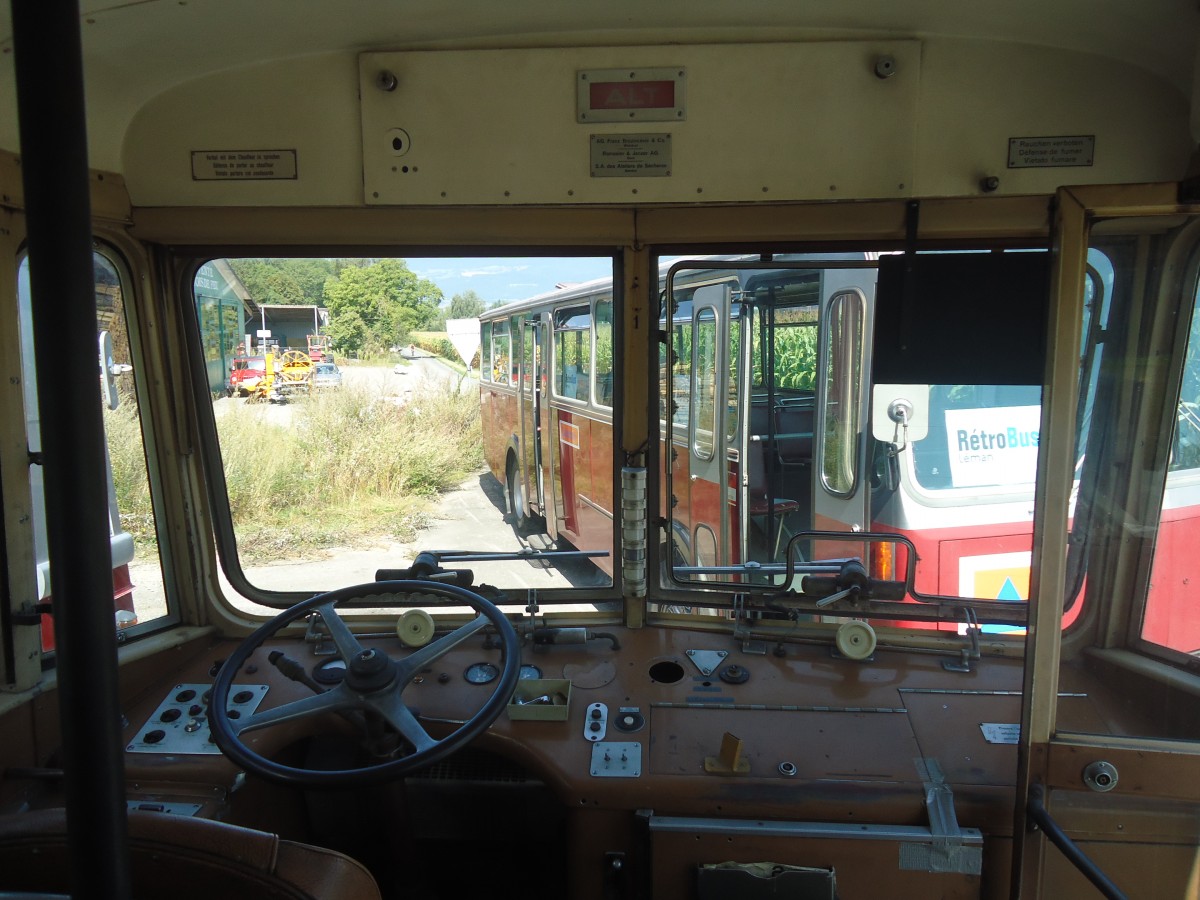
(995, 576)
(1051, 152)
(243, 165)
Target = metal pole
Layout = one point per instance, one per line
(50, 105)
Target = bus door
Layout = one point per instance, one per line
(806, 324)
(531, 383)
(840, 481)
(711, 496)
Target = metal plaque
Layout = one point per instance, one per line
(616, 759)
(180, 724)
(243, 165)
(1051, 152)
(1001, 732)
(631, 155)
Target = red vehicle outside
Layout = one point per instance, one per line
(245, 374)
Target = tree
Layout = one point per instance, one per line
(388, 301)
(299, 282)
(466, 305)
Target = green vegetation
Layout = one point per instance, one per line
(374, 304)
(377, 306)
(290, 281)
(795, 359)
(352, 469)
(466, 305)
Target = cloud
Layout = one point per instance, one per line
(491, 270)
(435, 274)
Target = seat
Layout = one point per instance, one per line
(794, 435)
(760, 502)
(184, 858)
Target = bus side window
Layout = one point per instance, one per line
(603, 355)
(501, 351)
(485, 353)
(572, 352)
(138, 591)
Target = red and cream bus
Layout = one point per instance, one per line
(787, 417)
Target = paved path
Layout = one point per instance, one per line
(470, 517)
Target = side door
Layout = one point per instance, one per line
(531, 385)
(840, 485)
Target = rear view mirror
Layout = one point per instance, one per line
(899, 412)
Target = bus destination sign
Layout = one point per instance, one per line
(630, 95)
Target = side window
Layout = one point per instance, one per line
(603, 355)
(501, 351)
(704, 383)
(138, 595)
(529, 367)
(485, 352)
(1169, 618)
(843, 384)
(572, 352)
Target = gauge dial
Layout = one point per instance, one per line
(528, 671)
(481, 673)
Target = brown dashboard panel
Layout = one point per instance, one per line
(707, 754)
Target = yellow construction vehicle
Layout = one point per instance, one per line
(287, 374)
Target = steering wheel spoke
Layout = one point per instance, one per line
(343, 638)
(333, 700)
(431, 652)
(397, 714)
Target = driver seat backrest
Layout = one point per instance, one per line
(185, 858)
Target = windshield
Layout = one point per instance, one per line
(505, 477)
(798, 398)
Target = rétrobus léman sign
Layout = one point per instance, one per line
(991, 447)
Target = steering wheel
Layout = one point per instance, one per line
(374, 683)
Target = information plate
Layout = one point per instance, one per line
(1051, 152)
(243, 165)
(1001, 732)
(631, 155)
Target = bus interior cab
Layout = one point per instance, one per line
(765, 463)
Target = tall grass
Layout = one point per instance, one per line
(352, 467)
(338, 468)
(127, 460)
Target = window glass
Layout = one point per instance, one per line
(485, 352)
(572, 352)
(704, 383)
(528, 366)
(501, 352)
(980, 436)
(1171, 618)
(843, 386)
(603, 357)
(411, 453)
(139, 596)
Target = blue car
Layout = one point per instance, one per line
(327, 375)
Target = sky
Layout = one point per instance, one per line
(508, 278)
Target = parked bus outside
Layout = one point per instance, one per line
(798, 446)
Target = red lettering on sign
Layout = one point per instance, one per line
(632, 95)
